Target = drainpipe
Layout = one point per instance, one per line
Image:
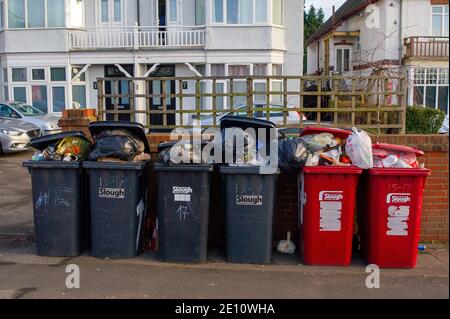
(139, 12)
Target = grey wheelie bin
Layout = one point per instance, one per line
(61, 218)
(183, 211)
(118, 195)
(250, 196)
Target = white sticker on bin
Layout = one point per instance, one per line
(398, 214)
(181, 193)
(116, 193)
(330, 210)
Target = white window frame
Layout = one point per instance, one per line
(6, 14)
(37, 68)
(51, 85)
(27, 92)
(253, 22)
(111, 17)
(441, 15)
(343, 48)
(425, 85)
(179, 14)
(84, 83)
(10, 73)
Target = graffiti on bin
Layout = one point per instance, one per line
(398, 214)
(330, 210)
(140, 213)
(183, 212)
(60, 197)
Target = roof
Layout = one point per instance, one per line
(347, 10)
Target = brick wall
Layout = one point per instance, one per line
(435, 206)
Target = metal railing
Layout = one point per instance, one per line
(427, 47)
(377, 104)
(136, 37)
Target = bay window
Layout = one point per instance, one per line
(240, 11)
(199, 12)
(277, 12)
(38, 13)
(431, 88)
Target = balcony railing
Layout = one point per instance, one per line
(427, 47)
(136, 37)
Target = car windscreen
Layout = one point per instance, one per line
(27, 110)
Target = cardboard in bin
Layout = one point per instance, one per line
(134, 128)
(42, 142)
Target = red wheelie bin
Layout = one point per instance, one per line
(389, 213)
(327, 196)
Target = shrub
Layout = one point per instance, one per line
(423, 120)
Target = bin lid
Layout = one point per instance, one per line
(246, 170)
(135, 128)
(399, 171)
(244, 122)
(332, 170)
(398, 148)
(42, 142)
(340, 133)
(51, 164)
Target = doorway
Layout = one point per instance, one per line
(118, 87)
(156, 102)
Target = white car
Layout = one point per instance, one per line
(16, 135)
(19, 110)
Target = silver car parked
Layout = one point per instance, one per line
(19, 110)
(15, 135)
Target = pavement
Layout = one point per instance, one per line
(23, 274)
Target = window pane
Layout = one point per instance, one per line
(446, 26)
(1, 15)
(339, 60)
(36, 14)
(437, 9)
(79, 96)
(220, 89)
(277, 12)
(20, 94)
(437, 25)
(443, 98)
(446, 9)
(232, 11)
(39, 97)
(431, 76)
(346, 60)
(418, 96)
(217, 70)
(173, 11)
(5, 93)
(105, 11)
(277, 86)
(16, 14)
(75, 71)
(239, 70)
(261, 11)
(59, 98)
(199, 12)
(260, 69)
(5, 75)
(38, 74)
(245, 12)
(239, 87)
(58, 74)
(419, 76)
(55, 13)
(218, 11)
(117, 10)
(260, 87)
(19, 74)
(277, 69)
(430, 97)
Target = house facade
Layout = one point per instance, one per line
(52, 51)
(398, 36)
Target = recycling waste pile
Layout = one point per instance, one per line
(343, 180)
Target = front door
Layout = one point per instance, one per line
(118, 87)
(156, 102)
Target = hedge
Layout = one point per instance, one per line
(423, 120)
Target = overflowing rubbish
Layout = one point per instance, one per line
(68, 148)
(395, 156)
(286, 246)
(292, 153)
(359, 149)
(182, 153)
(118, 145)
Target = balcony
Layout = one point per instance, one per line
(136, 37)
(426, 47)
